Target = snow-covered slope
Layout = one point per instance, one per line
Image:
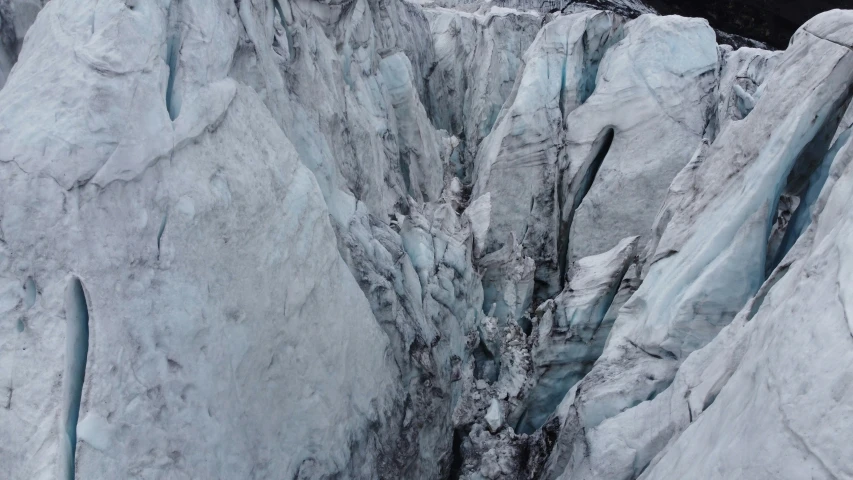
(383, 239)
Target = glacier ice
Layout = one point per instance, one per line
(508, 281)
(572, 331)
(16, 17)
(517, 162)
(569, 114)
(654, 89)
(248, 252)
(702, 273)
(444, 239)
(478, 56)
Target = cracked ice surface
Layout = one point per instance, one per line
(478, 56)
(593, 114)
(230, 350)
(518, 162)
(710, 259)
(383, 239)
(572, 330)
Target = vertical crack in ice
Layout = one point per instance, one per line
(405, 172)
(173, 53)
(172, 60)
(290, 49)
(29, 293)
(562, 98)
(76, 351)
(458, 456)
(160, 232)
(591, 61)
(805, 181)
(602, 148)
(280, 12)
(802, 216)
(597, 161)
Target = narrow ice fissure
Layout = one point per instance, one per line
(765, 290)
(76, 351)
(590, 75)
(458, 457)
(280, 12)
(30, 293)
(562, 98)
(598, 160)
(406, 173)
(601, 148)
(805, 181)
(290, 49)
(160, 232)
(560, 377)
(802, 217)
(173, 53)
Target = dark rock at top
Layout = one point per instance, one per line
(769, 21)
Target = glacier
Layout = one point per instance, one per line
(390, 239)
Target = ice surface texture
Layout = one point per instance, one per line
(377, 239)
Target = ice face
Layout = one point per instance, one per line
(574, 132)
(380, 239)
(478, 56)
(573, 329)
(518, 161)
(701, 275)
(223, 318)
